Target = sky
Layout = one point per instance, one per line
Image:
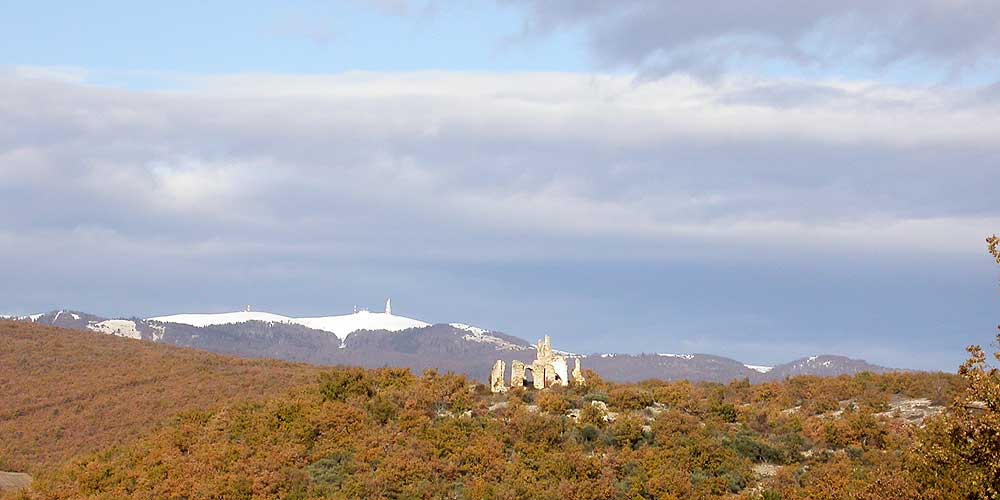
(763, 180)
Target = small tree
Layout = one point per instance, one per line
(968, 441)
(974, 423)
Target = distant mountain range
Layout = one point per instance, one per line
(376, 339)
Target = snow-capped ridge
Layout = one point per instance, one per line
(202, 320)
(339, 325)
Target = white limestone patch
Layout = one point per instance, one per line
(117, 327)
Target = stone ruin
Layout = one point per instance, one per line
(547, 370)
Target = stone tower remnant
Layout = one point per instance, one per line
(578, 374)
(496, 377)
(547, 370)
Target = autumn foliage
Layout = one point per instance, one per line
(296, 432)
(65, 392)
(387, 433)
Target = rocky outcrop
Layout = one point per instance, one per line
(912, 410)
(13, 481)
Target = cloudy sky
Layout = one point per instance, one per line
(762, 179)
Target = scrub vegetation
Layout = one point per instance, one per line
(154, 426)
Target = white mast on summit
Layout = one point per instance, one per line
(388, 307)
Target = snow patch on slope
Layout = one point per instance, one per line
(476, 334)
(202, 320)
(475, 330)
(670, 355)
(344, 325)
(760, 368)
(159, 331)
(117, 327)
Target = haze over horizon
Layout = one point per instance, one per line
(749, 182)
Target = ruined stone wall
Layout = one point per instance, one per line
(547, 370)
(516, 373)
(578, 374)
(496, 377)
(538, 375)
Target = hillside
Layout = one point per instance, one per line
(64, 392)
(389, 434)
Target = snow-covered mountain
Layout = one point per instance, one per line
(375, 339)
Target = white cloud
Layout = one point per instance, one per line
(568, 161)
(217, 190)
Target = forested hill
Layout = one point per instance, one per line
(386, 433)
(63, 392)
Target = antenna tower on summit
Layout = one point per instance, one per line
(388, 306)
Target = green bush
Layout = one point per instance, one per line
(330, 472)
(344, 383)
(754, 449)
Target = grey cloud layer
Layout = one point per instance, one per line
(467, 191)
(364, 158)
(710, 35)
